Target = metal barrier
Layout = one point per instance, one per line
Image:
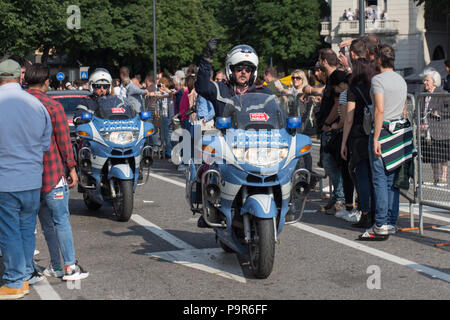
(432, 124)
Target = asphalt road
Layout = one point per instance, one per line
(160, 254)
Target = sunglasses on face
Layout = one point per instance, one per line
(98, 86)
(241, 67)
(296, 78)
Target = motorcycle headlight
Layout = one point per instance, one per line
(263, 157)
(120, 137)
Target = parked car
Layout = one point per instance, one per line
(69, 100)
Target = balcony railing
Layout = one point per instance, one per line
(351, 27)
(371, 26)
(326, 29)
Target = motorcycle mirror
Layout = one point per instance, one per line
(223, 123)
(145, 115)
(87, 116)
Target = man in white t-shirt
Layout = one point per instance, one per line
(389, 92)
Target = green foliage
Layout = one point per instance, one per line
(114, 33)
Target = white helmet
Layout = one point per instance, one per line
(100, 76)
(241, 53)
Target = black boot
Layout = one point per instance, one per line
(365, 221)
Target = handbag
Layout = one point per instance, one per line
(368, 114)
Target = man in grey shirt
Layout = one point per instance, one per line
(389, 93)
(25, 132)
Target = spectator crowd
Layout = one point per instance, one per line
(353, 103)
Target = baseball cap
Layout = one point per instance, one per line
(68, 84)
(9, 69)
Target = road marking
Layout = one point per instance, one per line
(178, 183)
(404, 262)
(425, 211)
(211, 260)
(45, 290)
(384, 255)
(176, 242)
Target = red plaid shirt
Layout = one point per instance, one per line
(60, 154)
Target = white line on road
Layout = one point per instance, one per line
(404, 262)
(178, 183)
(375, 252)
(161, 233)
(45, 290)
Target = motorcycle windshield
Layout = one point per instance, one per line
(114, 108)
(257, 111)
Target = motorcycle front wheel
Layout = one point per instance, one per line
(262, 247)
(123, 202)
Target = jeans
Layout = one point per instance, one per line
(17, 240)
(165, 135)
(386, 196)
(54, 217)
(334, 172)
(364, 186)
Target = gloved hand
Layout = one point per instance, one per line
(211, 47)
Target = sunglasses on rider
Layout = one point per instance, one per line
(98, 86)
(296, 78)
(241, 67)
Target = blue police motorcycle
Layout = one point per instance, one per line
(251, 179)
(111, 158)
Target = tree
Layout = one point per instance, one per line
(286, 31)
(29, 25)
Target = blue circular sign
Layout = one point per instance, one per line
(60, 76)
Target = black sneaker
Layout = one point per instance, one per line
(369, 236)
(74, 272)
(36, 277)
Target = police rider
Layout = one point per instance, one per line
(101, 102)
(241, 67)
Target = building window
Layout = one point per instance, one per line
(438, 53)
(371, 3)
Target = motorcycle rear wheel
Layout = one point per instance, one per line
(262, 247)
(123, 202)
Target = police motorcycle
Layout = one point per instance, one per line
(250, 181)
(112, 156)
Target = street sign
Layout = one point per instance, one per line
(84, 73)
(60, 76)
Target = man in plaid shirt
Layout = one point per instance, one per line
(54, 212)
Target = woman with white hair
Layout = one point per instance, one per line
(435, 129)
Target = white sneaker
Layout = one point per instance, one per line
(354, 216)
(392, 229)
(36, 252)
(182, 167)
(381, 230)
(50, 272)
(342, 213)
(74, 273)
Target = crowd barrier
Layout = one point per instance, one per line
(432, 138)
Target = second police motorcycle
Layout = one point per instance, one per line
(113, 154)
(251, 178)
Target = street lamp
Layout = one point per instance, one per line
(154, 42)
(362, 20)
